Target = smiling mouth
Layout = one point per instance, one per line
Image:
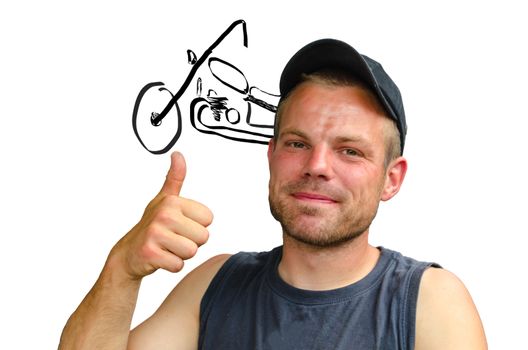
(313, 197)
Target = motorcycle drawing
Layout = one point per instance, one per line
(212, 114)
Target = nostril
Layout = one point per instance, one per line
(318, 169)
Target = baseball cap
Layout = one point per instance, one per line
(332, 53)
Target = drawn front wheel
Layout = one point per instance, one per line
(156, 118)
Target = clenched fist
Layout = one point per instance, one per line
(170, 231)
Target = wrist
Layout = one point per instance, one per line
(115, 273)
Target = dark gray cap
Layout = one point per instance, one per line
(331, 53)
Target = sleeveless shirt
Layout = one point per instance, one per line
(248, 306)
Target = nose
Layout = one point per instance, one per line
(319, 163)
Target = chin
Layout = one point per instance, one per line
(321, 241)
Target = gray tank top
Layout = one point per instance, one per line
(248, 306)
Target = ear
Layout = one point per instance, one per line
(394, 178)
(271, 146)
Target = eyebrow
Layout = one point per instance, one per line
(340, 139)
(354, 139)
(294, 132)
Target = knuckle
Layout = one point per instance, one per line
(202, 237)
(171, 201)
(189, 250)
(163, 216)
(204, 215)
(176, 266)
(208, 217)
(148, 251)
(152, 232)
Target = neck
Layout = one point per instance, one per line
(316, 268)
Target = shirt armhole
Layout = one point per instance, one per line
(408, 320)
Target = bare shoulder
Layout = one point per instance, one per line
(175, 325)
(446, 316)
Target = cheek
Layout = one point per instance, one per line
(281, 173)
(275, 175)
(351, 176)
(283, 165)
(376, 186)
(360, 181)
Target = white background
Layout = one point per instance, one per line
(74, 179)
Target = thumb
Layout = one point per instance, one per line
(176, 175)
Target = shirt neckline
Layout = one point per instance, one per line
(303, 296)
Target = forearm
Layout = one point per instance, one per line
(102, 320)
(169, 232)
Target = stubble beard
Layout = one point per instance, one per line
(341, 229)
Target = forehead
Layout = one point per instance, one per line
(322, 108)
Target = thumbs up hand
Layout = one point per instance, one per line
(170, 231)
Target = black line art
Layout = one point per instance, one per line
(212, 113)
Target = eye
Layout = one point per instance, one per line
(351, 152)
(296, 144)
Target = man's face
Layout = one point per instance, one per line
(327, 171)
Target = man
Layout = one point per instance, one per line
(336, 153)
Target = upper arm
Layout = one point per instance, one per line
(446, 316)
(175, 325)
